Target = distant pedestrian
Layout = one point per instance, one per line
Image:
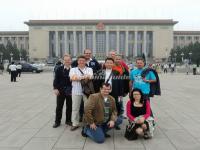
(19, 69)
(1, 68)
(165, 68)
(13, 71)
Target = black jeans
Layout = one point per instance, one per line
(60, 102)
(19, 72)
(13, 76)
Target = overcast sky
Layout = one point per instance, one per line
(13, 13)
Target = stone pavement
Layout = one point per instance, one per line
(27, 114)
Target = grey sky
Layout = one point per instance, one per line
(13, 13)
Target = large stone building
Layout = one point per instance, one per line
(184, 38)
(53, 38)
(20, 38)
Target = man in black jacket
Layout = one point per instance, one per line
(62, 89)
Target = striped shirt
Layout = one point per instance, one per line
(76, 85)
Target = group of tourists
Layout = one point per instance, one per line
(94, 94)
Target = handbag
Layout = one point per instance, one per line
(130, 133)
(87, 86)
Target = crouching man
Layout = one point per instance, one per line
(100, 115)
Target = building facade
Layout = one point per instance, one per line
(53, 38)
(131, 38)
(18, 38)
(184, 38)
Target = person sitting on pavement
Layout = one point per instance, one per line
(138, 111)
(100, 115)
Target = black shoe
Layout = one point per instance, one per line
(56, 125)
(73, 128)
(83, 133)
(117, 128)
(68, 123)
(107, 135)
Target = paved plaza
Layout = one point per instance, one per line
(27, 110)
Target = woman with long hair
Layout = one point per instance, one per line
(138, 111)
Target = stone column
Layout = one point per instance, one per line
(75, 44)
(117, 47)
(56, 43)
(135, 43)
(65, 43)
(145, 44)
(107, 42)
(83, 41)
(94, 42)
(126, 45)
(154, 44)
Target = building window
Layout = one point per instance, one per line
(61, 35)
(181, 38)
(112, 40)
(70, 40)
(100, 44)
(140, 37)
(79, 41)
(131, 40)
(61, 49)
(189, 38)
(122, 42)
(89, 40)
(22, 46)
(149, 44)
(196, 38)
(52, 48)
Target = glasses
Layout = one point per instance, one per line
(88, 53)
(136, 94)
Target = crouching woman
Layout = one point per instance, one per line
(138, 112)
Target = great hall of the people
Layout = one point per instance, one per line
(130, 38)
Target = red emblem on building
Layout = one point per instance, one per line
(100, 26)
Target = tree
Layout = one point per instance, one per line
(193, 48)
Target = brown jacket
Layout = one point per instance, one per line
(94, 109)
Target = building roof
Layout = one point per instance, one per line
(14, 32)
(106, 22)
(186, 32)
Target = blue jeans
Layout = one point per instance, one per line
(98, 135)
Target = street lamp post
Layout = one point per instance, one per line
(190, 60)
(166, 51)
(1, 54)
(20, 56)
(175, 54)
(11, 57)
(27, 55)
(182, 54)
